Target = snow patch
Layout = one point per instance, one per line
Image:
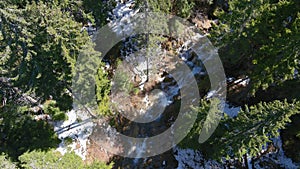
(282, 160)
(188, 158)
(242, 82)
(278, 157)
(231, 110)
(120, 18)
(75, 130)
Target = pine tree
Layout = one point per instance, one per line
(20, 132)
(245, 134)
(5, 163)
(181, 8)
(261, 39)
(40, 48)
(40, 45)
(53, 159)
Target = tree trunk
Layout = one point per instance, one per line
(246, 161)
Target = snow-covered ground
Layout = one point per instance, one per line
(231, 111)
(188, 158)
(75, 130)
(120, 17)
(277, 157)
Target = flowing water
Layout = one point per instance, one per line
(148, 113)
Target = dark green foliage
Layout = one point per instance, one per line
(52, 159)
(40, 42)
(102, 93)
(122, 81)
(261, 39)
(182, 8)
(90, 83)
(191, 140)
(50, 108)
(246, 133)
(79, 10)
(98, 9)
(20, 133)
(68, 141)
(254, 126)
(39, 46)
(99, 165)
(5, 163)
(258, 39)
(40, 54)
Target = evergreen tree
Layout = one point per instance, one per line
(245, 134)
(20, 132)
(260, 39)
(40, 45)
(181, 8)
(53, 159)
(5, 163)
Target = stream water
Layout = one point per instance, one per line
(155, 109)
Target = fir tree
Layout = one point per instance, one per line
(5, 163)
(245, 134)
(261, 39)
(53, 159)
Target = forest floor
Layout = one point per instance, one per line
(236, 96)
(290, 136)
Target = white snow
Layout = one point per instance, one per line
(242, 82)
(282, 160)
(120, 18)
(278, 157)
(78, 132)
(42, 117)
(231, 110)
(188, 158)
(210, 94)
